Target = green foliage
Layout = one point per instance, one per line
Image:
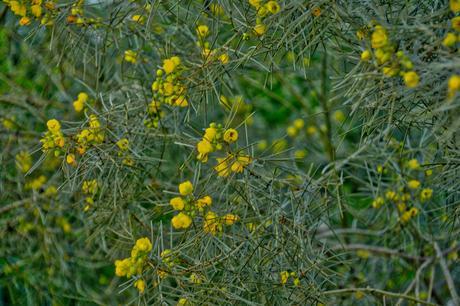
(339, 188)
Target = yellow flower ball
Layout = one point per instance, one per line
(177, 203)
(53, 125)
(411, 79)
(230, 135)
(169, 66)
(202, 31)
(450, 40)
(366, 55)
(185, 188)
(181, 220)
(413, 184)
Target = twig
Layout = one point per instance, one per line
(448, 277)
(375, 292)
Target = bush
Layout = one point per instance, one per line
(229, 152)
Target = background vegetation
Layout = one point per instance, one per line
(228, 152)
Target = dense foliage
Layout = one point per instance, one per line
(229, 152)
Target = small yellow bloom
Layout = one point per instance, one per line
(316, 12)
(366, 55)
(450, 40)
(411, 79)
(454, 5)
(182, 302)
(181, 102)
(272, 6)
(131, 56)
(138, 18)
(284, 276)
(230, 219)
(143, 244)
(456, 23)
(177, 203)
(169, 65)
(413, 164)
(230, 135)
(202, 31)
(123, 144)
(241, 162)
(426, 194)
(260, 29)
(378, 202)
(185, 188)
(140, 285)
(36, 10)
(53, 125)
(70, 159)
(298, 123)
(255, 3)
(222, 168)
(379, 37)
(224, 58)
(413, 184)
(181, 220)
(453, 85)
(205, 201)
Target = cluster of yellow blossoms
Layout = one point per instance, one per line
(263, 10)
(23, 161)
(168, 87)
(392, 63)
(209, 54)
(134, 265)
(189, 206)
(89, 189)
(90, 136)
(38, 9)
(406, 194)
(80, 103)
(53, 140)
(131, 56)
(285, 275)
(450, 40)
(214, 138)
(123, 146)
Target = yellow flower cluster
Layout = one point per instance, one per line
(155, 113)
(285, 275)
(38, 9)
(23, 161)
(81, 101)
(214, 138)
(123, 146)
(451, 39)
(76, 15)
(296, 126)
(90, 136)
(36, 183)
(168, 87)
(406, 194)
(209, 54)
(232, 163)
(131, 56)
(134, 265)
(453, 86)
(189, 206)
(392, 63)
(53, 138)
(89, 189)
(213, 223)
(263, 10)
